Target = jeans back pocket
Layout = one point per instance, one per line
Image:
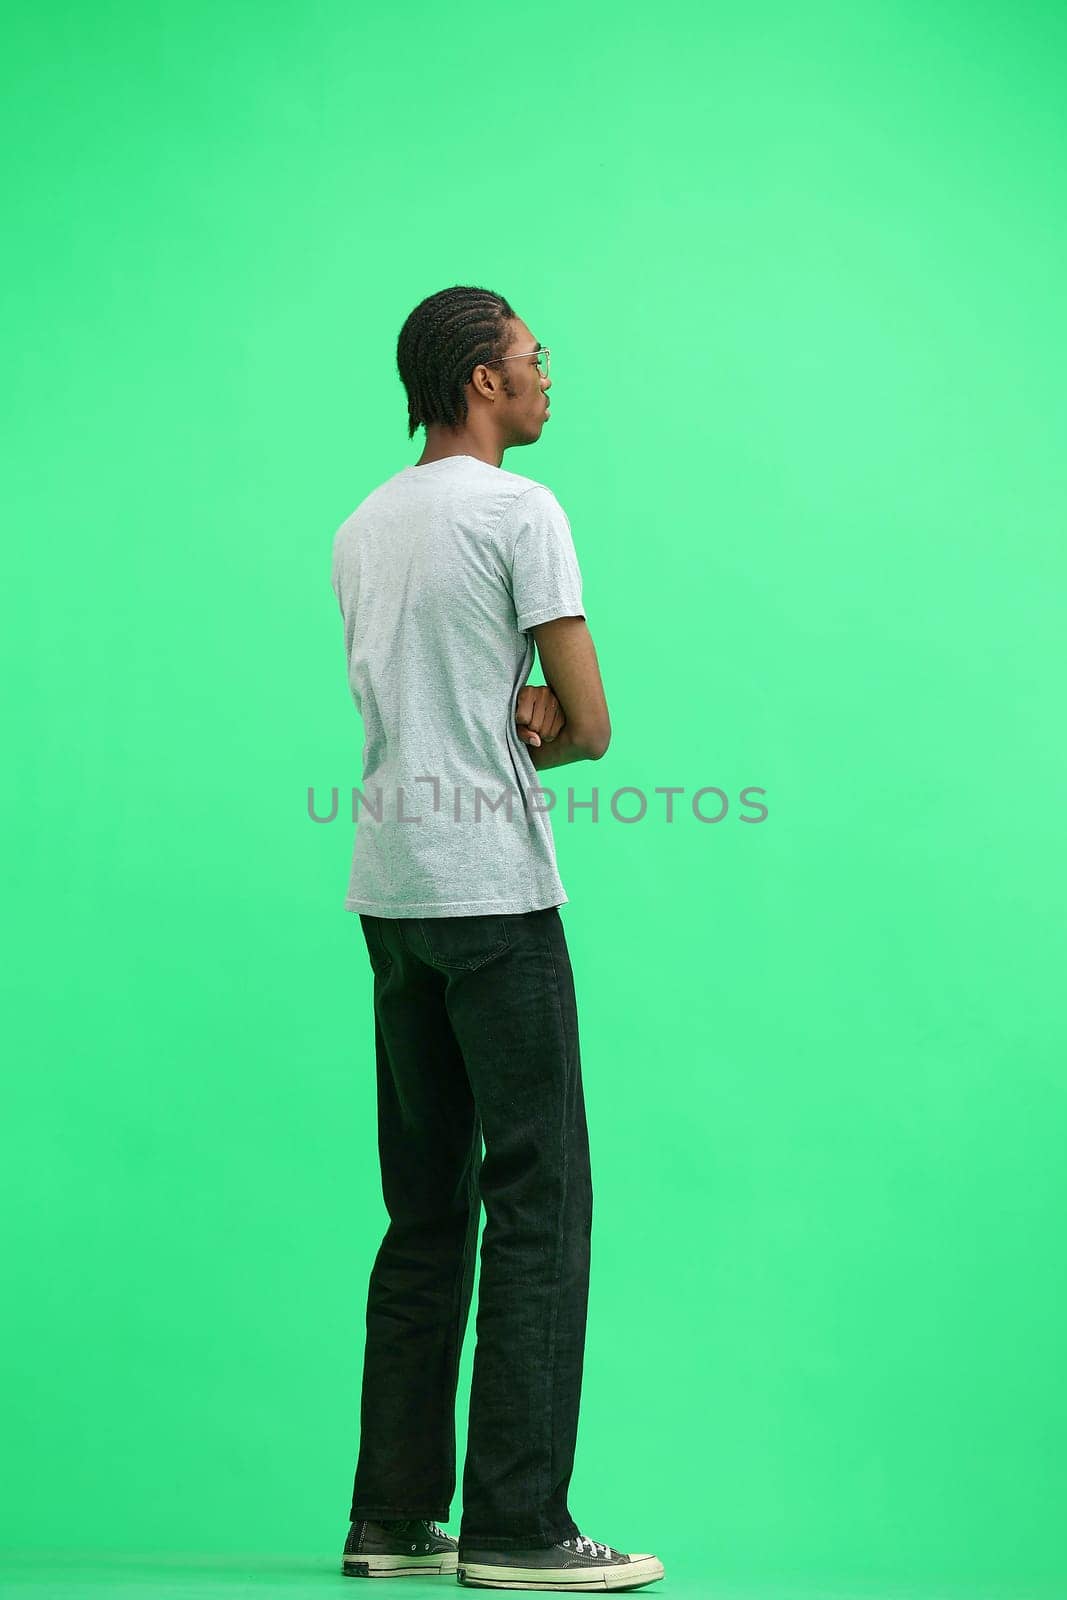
(464, 943)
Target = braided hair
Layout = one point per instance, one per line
(441, 343)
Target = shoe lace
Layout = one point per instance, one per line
(440, 1532)
(580, 1541)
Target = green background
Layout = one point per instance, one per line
(801, 269)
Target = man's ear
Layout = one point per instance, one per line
(486, 384)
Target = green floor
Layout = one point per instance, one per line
(73, 1576)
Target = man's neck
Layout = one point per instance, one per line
(438, 448)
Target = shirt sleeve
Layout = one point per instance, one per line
(546, 581)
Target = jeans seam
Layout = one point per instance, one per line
(559, 1241)
(453, 1340)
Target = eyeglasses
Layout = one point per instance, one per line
(544, 359)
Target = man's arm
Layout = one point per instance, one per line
(568, 659)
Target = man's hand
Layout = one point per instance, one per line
(538, 715)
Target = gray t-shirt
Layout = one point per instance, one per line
(439, 573)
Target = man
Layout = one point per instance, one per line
(446, 576)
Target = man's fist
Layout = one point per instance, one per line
(538, 715)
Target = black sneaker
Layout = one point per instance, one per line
(411, 1549)
(576, 1563)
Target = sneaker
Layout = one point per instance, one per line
(575, 1563)
(408, 1549)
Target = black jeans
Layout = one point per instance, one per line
(476, 1036)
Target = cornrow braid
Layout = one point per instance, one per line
(441, 343)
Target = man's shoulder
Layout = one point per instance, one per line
(503, 489)
(523, 497)
(520, 481)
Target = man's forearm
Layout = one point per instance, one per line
(564, 747)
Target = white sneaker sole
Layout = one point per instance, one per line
(623, 1575)
(372, 1566)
